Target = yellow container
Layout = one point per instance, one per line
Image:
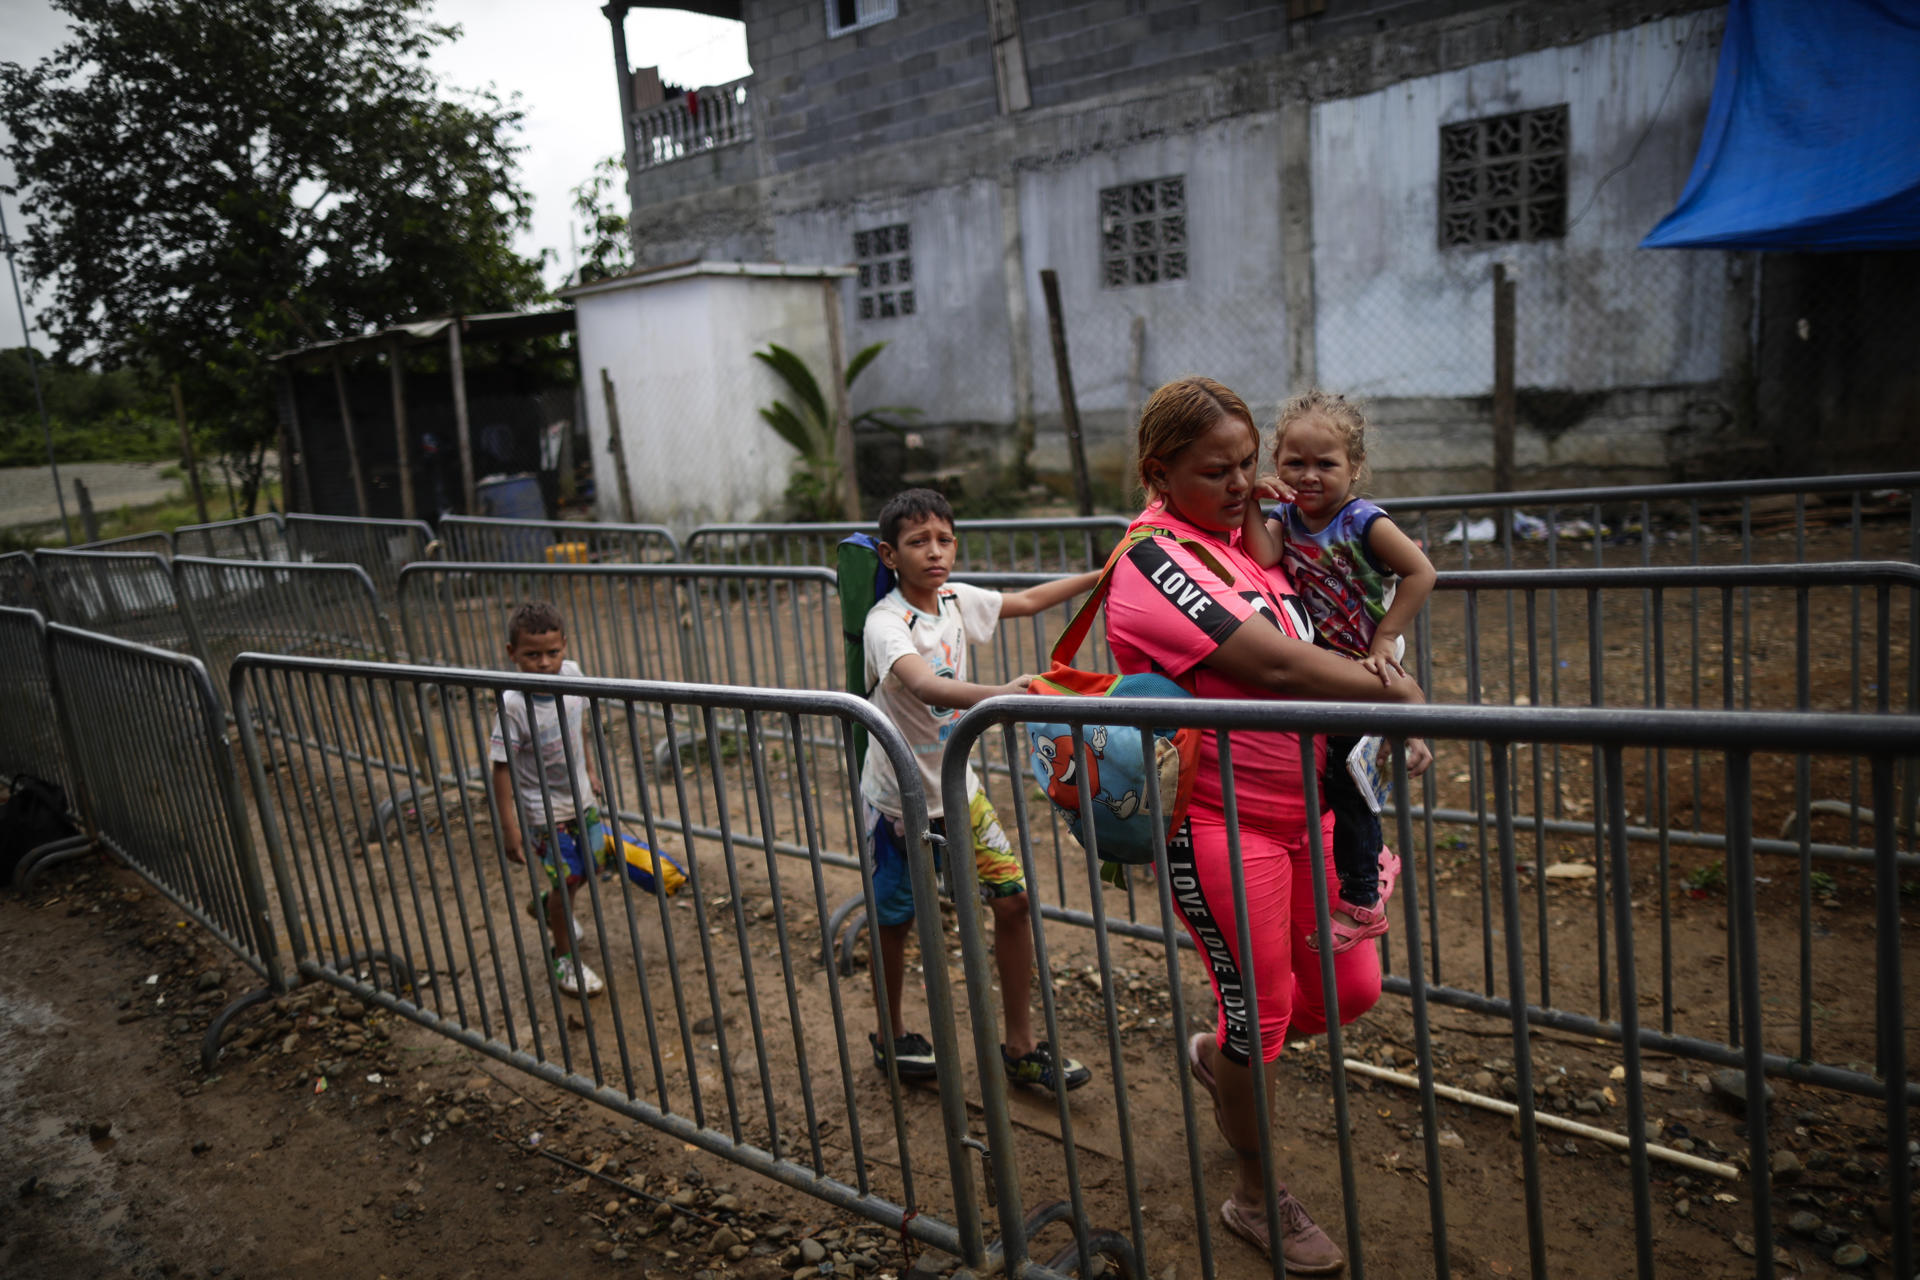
(567, 553)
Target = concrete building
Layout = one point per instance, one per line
(1278, 195)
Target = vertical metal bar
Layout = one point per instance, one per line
(1892, 1020)
(1629, 1016)
(1422, 1028)
(1476, 778)
(1330, 993)
(1596, 696)
(1740, 886)
(1517, 1005)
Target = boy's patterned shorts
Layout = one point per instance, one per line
(993, 859)
(576, 860)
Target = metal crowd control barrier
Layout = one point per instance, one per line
(249, 538)
(718, 624)
(160, 542)
(1064, 545)
(19, 585)
(1630, 519)
(1788, 636)
(722, 1024)
(323, 610)
(128, 594)
(147, 736)
(30, 738)
(381, 547)
(1121, 1120)
(499, 541)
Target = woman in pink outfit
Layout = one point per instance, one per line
(1192, 605)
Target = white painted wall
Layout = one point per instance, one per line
(1396, 315)
(1227, 320)
(680, 353)
(951, 359)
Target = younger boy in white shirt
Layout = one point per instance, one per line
(530, 771)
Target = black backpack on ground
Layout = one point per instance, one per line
(35, 814)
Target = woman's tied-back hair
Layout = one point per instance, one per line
(1181, 412)
(534, 618)
(1339, 413)
(911, 505)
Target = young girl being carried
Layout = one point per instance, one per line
(1363, 582)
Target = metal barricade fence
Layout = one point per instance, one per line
(719, 624)
(501, 541)
(722, 1022)
(248, 538)
(1067, 544)
(29, 721)
(1710, 522)
(323, 610)
(128, 594)
(148, 739)
(1157, 1166)
(160, 542)
(381, 547)
(19, 585)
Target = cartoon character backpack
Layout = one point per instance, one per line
(1115, 775)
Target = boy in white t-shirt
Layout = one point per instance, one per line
(531, 773)
(916, 649)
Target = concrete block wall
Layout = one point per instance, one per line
(920, 75)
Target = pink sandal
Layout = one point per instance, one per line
(1366, 922)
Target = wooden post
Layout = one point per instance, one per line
(1503, 399)
(616, 448)
(88, 521)
(1069, 407)
(456, 360)
(837, 401)
(352, 439)
(397, 373)
(293, 444)
(186, 451)
(1136, 389)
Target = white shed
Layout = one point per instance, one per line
(677, 346)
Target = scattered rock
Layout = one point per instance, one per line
(619, 1254)
(1818, 1159)
(684, 1198)
(100, 1130)
(704, 1027)
(812, 1252)
(1569, 871)
(1730, 1083)
(1854, 1171)
(1849, 1255)
(726, 1204)
(456, 1116)
(1804, 1223)
(1786, 1166)
(207, 981)
(723, 1240)
(765, 912)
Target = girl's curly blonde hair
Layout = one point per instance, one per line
(1338, 412)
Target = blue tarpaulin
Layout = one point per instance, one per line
(1813, 135)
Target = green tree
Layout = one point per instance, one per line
(608, 250)
(192, 165)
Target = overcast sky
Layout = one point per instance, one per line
(556, 55)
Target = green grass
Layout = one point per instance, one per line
(125, 520)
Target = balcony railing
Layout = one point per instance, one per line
(698, 120)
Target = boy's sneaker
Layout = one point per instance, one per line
(1040, 1068)
(912, 1052)
(574, 977)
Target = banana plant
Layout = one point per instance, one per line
(807, 425)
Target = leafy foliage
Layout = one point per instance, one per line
(597, 205)
(206, 175)
(96, 417)
(814, 490)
